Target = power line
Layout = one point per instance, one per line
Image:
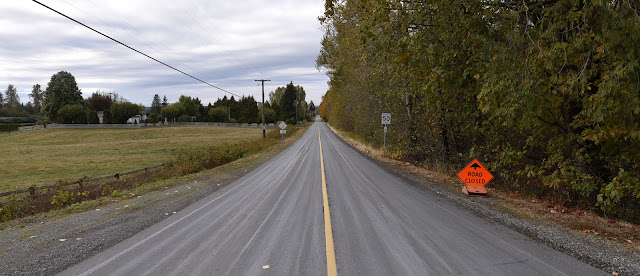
(160, 42)
(125, 45)
(107, 24)
(210, 33)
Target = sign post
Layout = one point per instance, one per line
(283, 129)
(386, 120)
(475, 176)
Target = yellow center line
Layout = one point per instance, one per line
(332, 269)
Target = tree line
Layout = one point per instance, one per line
(281, 106)
(11, 106)
(546, 92)
(62, 102)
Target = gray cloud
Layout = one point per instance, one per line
(226, 43)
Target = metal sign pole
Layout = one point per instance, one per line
(283, 129)
(385, 140)
(386, 120)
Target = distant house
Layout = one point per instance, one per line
(140, 118)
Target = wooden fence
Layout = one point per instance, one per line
(32, 190)
(142, 125)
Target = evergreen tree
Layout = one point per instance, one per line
(232, 107)
(30, 109)
(36, 96)
(288, 106)
(247, 110)
(12, 100)
(156, 105)
(223, 102)
(302, 103)
(165, 103)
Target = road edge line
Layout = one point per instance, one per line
(332, 269)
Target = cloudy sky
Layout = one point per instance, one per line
(226, 43)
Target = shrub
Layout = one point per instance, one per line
(290, 121)
(12, 127)
(17, 120)
(92, 117)
(73, 114)
(170, 112)
(218, 114)
(107, 118)
(121, 112)
(184, 118)
(153, 118)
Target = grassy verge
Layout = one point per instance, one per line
(42, 157)
(513, 203)
(184, 163)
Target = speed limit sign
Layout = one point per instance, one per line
(386, 118)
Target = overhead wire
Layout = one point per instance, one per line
(105, 23)
(210, 33)
(204, 40)
(135, 50)
(199, 69)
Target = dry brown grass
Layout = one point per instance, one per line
(46, 156)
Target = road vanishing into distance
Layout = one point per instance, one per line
(274, 221)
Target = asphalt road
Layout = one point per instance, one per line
(381, 225)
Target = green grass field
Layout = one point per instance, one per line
(45, 156)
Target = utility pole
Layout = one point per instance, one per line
(297, 104)
(264, 126)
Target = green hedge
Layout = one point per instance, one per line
(12, 127)
(17, 120)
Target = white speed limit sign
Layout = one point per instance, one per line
(386, 118)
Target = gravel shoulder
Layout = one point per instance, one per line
(49, 243)
(604, 254)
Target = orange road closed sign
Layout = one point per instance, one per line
(475, 176)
